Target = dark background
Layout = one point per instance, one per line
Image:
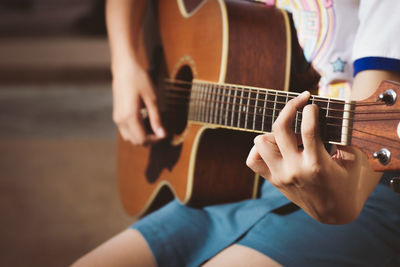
(58, 189)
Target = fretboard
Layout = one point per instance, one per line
(256, 109)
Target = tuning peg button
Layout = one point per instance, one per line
(382, 155)
(388, 97)
(395, 184)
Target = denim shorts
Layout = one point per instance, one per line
(182, 236)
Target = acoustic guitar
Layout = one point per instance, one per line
(218, 58)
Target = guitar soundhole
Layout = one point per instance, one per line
(178, 94)
(164, 155)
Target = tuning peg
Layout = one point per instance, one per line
(389, 97)
(382, 155)
(395, 184)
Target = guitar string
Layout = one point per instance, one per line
(371, 140)
(256, 114)
(242, 105)
(280, 102)
(202, 100)
(258, 118)
(286, 95)
(283, 94)
(172, 90)
(243, 89)
(297, 129)
(237, 87)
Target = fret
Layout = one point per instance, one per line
(327, 108)
(269, 110)
(259, 108)
(211, 103)
(197, 103)
(221, 105)
(265, 107)
(217, 94)
(228, 95)
(255, 109)
(326, 123)
(247, 99)
(286, 99)
(204, 104)
(207, 90)
(244, 109)
(327, 113)
(233, 106)
(191, 102)
(274, 109)
(190, 115)
(208, 103)
(281, 99)
(239, 108)
(334, 121)
(202, 94)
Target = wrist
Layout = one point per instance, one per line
(125, 65)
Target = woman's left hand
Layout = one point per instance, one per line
(328, 187)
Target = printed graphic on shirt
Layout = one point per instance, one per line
(315, 24)
(338, 65)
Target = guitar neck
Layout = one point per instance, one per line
(256, 109)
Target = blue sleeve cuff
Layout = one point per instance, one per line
(376, 63)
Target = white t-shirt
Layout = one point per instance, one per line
(336, 34)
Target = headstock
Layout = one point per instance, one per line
(375, 127)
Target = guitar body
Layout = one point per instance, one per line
(234, 42)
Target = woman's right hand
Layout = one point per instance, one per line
(131, 89)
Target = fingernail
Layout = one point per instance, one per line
(305, 94)
(160, 132)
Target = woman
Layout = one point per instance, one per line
(337, 37)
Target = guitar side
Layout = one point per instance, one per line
(233, 42)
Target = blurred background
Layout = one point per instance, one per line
(58, 188)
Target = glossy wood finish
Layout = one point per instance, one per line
(375, 125)
(257, 45)
(210, 166)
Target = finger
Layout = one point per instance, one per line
(136, 131)
(154, 116)
(257, 164)
(124, 133)
(283, 126)
(269, 151)
(310, 132)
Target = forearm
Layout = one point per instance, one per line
(123, 18)
(364, 85)
(366, 82)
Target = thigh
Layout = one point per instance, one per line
(237, 255)
(128, 248)
(295, 239)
